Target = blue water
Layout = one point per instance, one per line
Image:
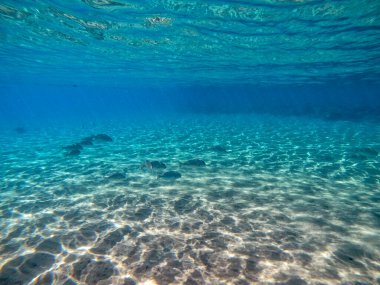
(189, 142)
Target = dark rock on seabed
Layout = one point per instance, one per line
(75, 149)
(154, 164)
(170, 175)
(194, 162)
(71, 147)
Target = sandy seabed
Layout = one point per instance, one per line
(291, 201)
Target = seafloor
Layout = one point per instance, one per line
(291, 201)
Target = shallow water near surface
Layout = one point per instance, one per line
(291, 201)
(189, 42)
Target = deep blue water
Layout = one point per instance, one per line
(190, 142)
(26, 104)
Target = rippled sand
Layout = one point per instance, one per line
(292, 201)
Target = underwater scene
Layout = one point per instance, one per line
(190, 142)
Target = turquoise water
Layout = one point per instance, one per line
(189, 142)
(190, 42)
(289, 201)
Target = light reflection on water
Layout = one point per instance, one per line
(190, 42)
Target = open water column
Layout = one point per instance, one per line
(195, 142)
